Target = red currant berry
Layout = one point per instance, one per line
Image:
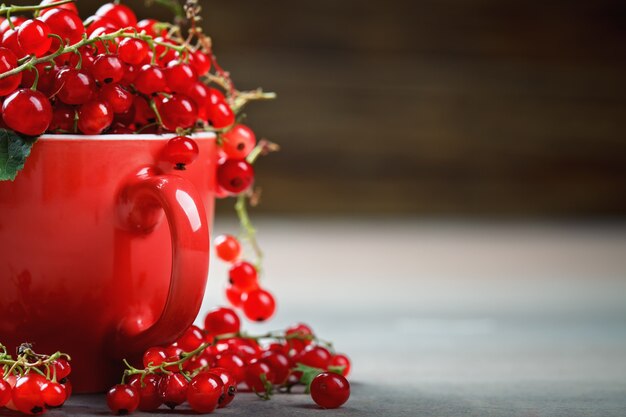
(258, 376)
(154, 356)
(108, 69)
(27, 111)
(180, 77)
(54, 394)
(122, 399)
(234, 296)
(148, 389)
(230, 386)
(99, 22)
(120, 14)
(133, 51)
(200, 94)
(233, 364)
(65, 24)
(5, 392)
(150, 79)
(33, 37)
(204, 393)
(238, 142)
(67, 6)
(8, 61)
(180, 151)
(94, 117)
(243, 275)
(62, 368)
(220, 115)
(259, 305)
(147, 25)
(280, 365)
(299, 336)
(330, 390)
(178, 111)
(235, 175)
(227, 248)
(27, 394)
(173, 390)
(9, 41)
(315, 357)
(162, 52)
(63, 118)
(200, 62)
(103, 46)
(341, 360)
(173, 354)
(5, 25)
(278, 347)
(119, 98)
(220, 321)
(74, 86)
(191, 339)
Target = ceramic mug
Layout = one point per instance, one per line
(105, 249)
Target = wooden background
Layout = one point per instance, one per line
(433, 107)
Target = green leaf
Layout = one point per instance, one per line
(14, 150)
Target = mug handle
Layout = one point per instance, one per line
(140, 207)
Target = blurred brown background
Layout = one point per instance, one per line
(432, 107)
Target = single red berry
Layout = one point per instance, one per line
(148, 390)
(5, 392)
(233, 364)
(108, 69)
(119, 13)
(150, 79)
(122, 399)
(68, 388)
(118, 97)
(220, 115)
(200, 62)
(230, 385)
(280, 365)
(330, 390)
(154, 356)
(65, 24)
(191, 339)
(62, 368)
(180, 77)
(315, 357)
(54, 394)
(94, 117)
(74, 86)
(259, 305)
(220, 321)
(341, 360)
(33, 37)
(133, 51)
(299, 336)
(227, 248)
(8, 61)
(27, 111)
(10, 41)
(234, 295)
(178, 111)
(243, 275)
(238, 142)
(235, 175)
(94, 23)
(180, 151)
(173, 390)
(27, 394)
(67, 6)
(258, 376)
(205, 391)
(200, 94)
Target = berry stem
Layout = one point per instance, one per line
(8, 10)
(246, 225)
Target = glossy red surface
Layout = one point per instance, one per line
(105, 250)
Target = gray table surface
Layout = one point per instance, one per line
(447, 318)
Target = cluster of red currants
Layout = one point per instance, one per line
(243, 290)
(107, 74)
(34, 383)
(205, 366)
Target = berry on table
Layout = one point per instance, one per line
(5, 392)
(204, 392)
(54, 394)
(173, 390)
(148, 389)
(122, 399)
(230, 386)
(280, 365)
(258, 376)
(27, 394)
(330, 390)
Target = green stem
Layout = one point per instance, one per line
(21, 9)
(249, 230)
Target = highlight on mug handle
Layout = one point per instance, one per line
(140, 204)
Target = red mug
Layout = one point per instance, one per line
(105, 249)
